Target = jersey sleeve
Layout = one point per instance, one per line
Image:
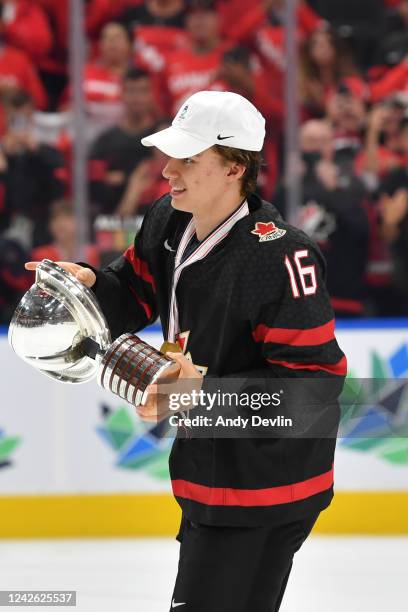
(292, 321)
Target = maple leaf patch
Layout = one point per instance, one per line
(267, 231)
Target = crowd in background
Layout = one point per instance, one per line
(144, 58)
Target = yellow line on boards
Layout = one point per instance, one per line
(88, 515)
(365, 513)
(381, 513)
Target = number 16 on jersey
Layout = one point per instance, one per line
(305, 274)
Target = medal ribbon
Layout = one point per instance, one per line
(202, 251)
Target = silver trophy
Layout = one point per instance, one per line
(59, 329)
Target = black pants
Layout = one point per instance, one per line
(236, 569)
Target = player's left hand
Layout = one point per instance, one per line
(156, 407)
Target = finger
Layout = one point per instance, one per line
(179, 357)
(86, 276)
(146, 411)
(151, 389)
(150, 413)
(150, 398)
(155, 418)
(31, 265)
(187, 369)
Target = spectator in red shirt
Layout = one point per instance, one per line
(196, 67)
(325, 64)
(103, 78)
(100, 12)
(254, 14)
(157, 30)
(17, 73)
(54, 67)
(270, 33)
(24, 25)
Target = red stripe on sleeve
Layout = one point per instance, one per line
(145, 306)
(273, 496)
(139, 266)
(339, 368)
(295, 337)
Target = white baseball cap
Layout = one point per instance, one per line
(208, 118)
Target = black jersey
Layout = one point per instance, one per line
(256, 305)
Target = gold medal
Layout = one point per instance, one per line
(172, 347)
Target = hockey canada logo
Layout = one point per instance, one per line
(267, 231)
(183, 113)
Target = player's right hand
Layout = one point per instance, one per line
(84, 275)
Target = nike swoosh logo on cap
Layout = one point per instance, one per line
(219, 137)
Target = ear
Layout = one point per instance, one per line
(236, 171)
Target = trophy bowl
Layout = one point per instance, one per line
(59, 329)
(50, 323)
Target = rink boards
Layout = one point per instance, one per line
(74, 460)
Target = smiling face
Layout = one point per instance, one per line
(202, 183)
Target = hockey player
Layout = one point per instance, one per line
(243, 293)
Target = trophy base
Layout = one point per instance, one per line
(130, 366)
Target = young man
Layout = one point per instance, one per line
(117, 152)
(243, 294)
